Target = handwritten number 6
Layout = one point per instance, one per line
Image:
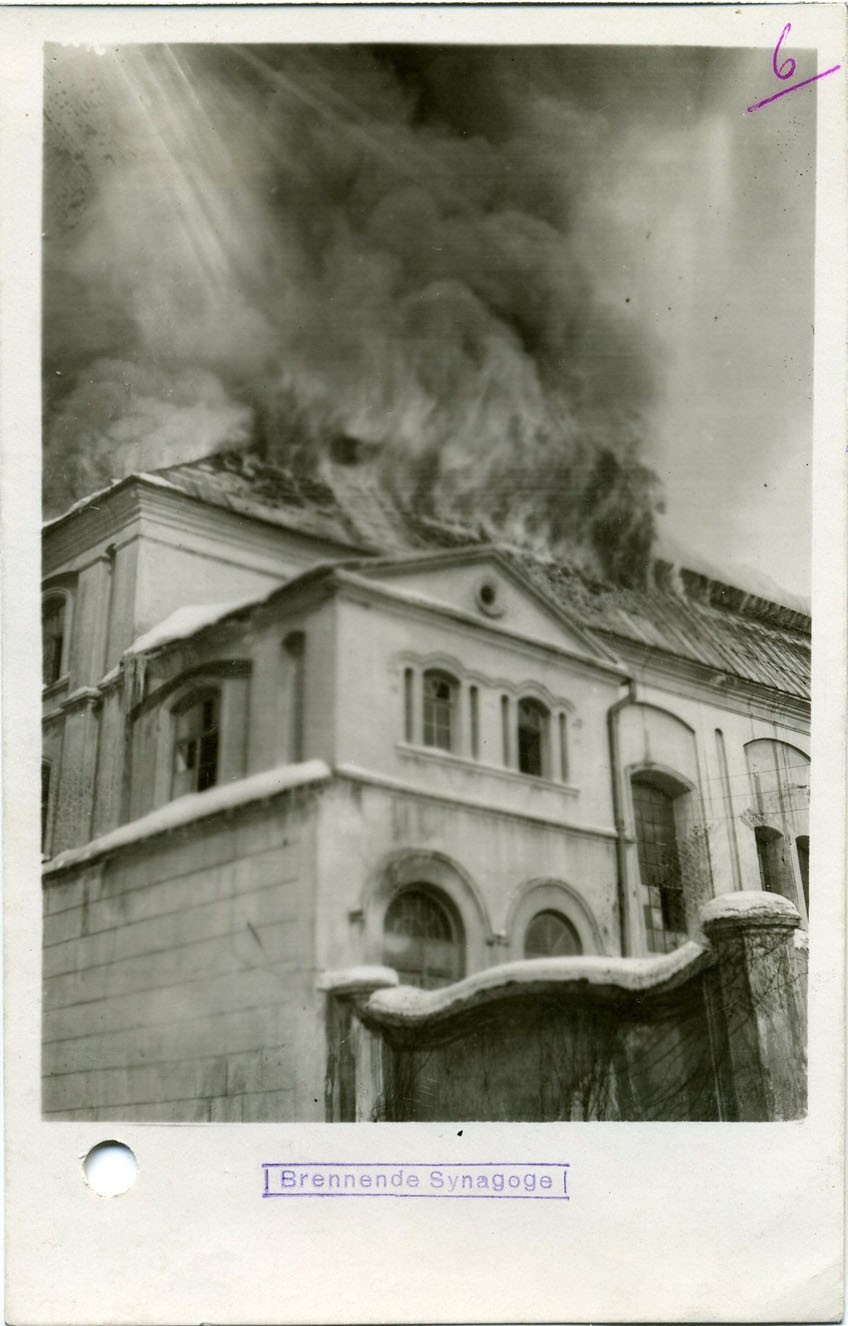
(788, 64)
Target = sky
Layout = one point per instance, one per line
(565, 290)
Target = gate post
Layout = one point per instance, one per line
(760, 1005)
(353, 1081)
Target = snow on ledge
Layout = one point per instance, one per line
(750, 905)
(351, 979)
(195, 806)
(408, 1004)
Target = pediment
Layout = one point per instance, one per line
(483, 585)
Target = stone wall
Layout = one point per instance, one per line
(178, 975)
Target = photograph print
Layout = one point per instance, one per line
(425, 614)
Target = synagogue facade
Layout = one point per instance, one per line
(290, 730)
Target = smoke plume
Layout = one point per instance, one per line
(279, 246)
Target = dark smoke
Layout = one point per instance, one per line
(284, 245)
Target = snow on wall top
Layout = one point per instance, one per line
(189, 619)
(358, 978)
(409, 1005)
(750, 904)
(194, 806)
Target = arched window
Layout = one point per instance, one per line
(659, 865)
(52, 638)
(422, 939)
(440, 693)
(775, 871)
(550, 935)
(196, 724)
(533, 738)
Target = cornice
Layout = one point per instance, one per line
(104, 517)
(356, 774)
(697, 681)
(181, 512)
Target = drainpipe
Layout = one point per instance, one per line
(618, 816)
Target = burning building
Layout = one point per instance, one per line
(360, 666)
(290, 730)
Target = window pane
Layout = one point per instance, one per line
(195, 766)
(45, 801)
(532, 738)
(659, 866)
(474, 718)
(505, 729)
(550, 935)
(207, 765)
(52, 638)
(420, 940)
(439, 709)
(563, 749)
(775, 872)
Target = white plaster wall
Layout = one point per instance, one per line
(362, 828)
(372, 644)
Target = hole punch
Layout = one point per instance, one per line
(110, 1168)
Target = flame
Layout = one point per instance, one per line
(265, 234)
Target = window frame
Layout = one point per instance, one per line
(62, 597)
(533, 705)
(661, 934)
(776, 874)
(549, 894)
(779, 776)
(568, 927)
(446, 912)
(196, 698)
(440, 675)
(46, 803)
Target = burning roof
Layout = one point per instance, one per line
(677, 612)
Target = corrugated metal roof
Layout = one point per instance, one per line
(773, 653)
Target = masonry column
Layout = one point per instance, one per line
(758, 1005)
(465, 721)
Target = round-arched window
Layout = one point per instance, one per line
(422, 939)
(550, 935)
(533, 722)
(440, 705)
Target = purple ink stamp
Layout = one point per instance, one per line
(519, 1180)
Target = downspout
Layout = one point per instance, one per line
(626, 938)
